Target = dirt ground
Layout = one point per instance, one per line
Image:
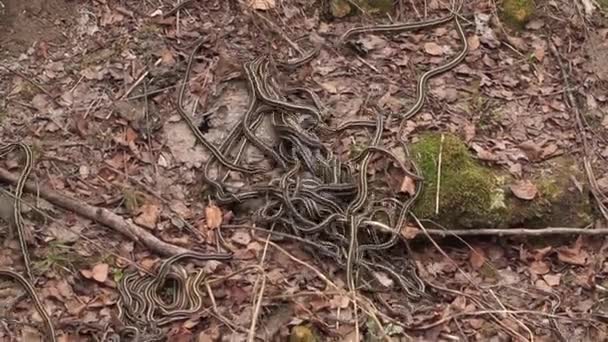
(72, 75)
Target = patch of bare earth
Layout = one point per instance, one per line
(77, 95)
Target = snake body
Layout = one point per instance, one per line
(316, 195)
(26, 283)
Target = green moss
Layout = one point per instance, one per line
(469, 194)
(472, 195)
(517, 12)
(558, 202)
(377, 6)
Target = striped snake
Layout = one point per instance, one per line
(316, 194)
(25, 282)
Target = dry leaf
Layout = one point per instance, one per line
(575, 255)
(477, 257)
(148, 215)
(262, 4)
(433, 49)
(241, 237)
(524, 189)
(384, 279)
(100, 272)
(539, 267)
(473, 42)
(539, 53)
(214, 216)
(469, 131)
(408, 186)
(552, 279)
(409, 232)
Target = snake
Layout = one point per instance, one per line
(315, 194)
(26, 283)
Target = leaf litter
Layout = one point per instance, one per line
(525, 122)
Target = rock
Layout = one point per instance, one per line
(517, 12)
(472, 195)
(302, 333)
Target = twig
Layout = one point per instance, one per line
(488, 312)
(153, 92)
(35, 84)
(499, 231)
(177, 7)
(138, 81)
(518, 231)
(280, 32)
(439, 175)
(100, 215)
(258, 301)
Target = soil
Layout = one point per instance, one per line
(24, 24)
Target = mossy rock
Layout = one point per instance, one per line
(517, 12)
(469, 194)
(302, 333)
(472, 195)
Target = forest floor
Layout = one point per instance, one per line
(72, 75)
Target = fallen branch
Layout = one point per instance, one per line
(518, 231)
(99, 215)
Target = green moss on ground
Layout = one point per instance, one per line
(517, 12)
(558, 203)
(472, 195)
(469, 194)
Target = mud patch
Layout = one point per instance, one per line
(26, 23)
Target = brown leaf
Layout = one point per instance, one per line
(130, 135)
(539, 267)
(100, 272)
(605, 121)
(532, 149)
(524, 189)
(86, 273)
(214, 216)
(483, 154)
(408, 186)
(575, 255)
(148, 216)
(552, 279)
(433, 49)
(540, 253)
(384, 279)
(473, 42)
(469, 131)
(241, 237)
(477, 257)
(549, 150)
(167, 57)
(409, 232)
(539, 53)
(262, 4)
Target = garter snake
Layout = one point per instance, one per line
(315, 195)
(26, 283)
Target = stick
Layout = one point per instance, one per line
(518, 231)
(439, 176)
(99, 215)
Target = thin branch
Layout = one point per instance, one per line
(99, 215)
(518, 231)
